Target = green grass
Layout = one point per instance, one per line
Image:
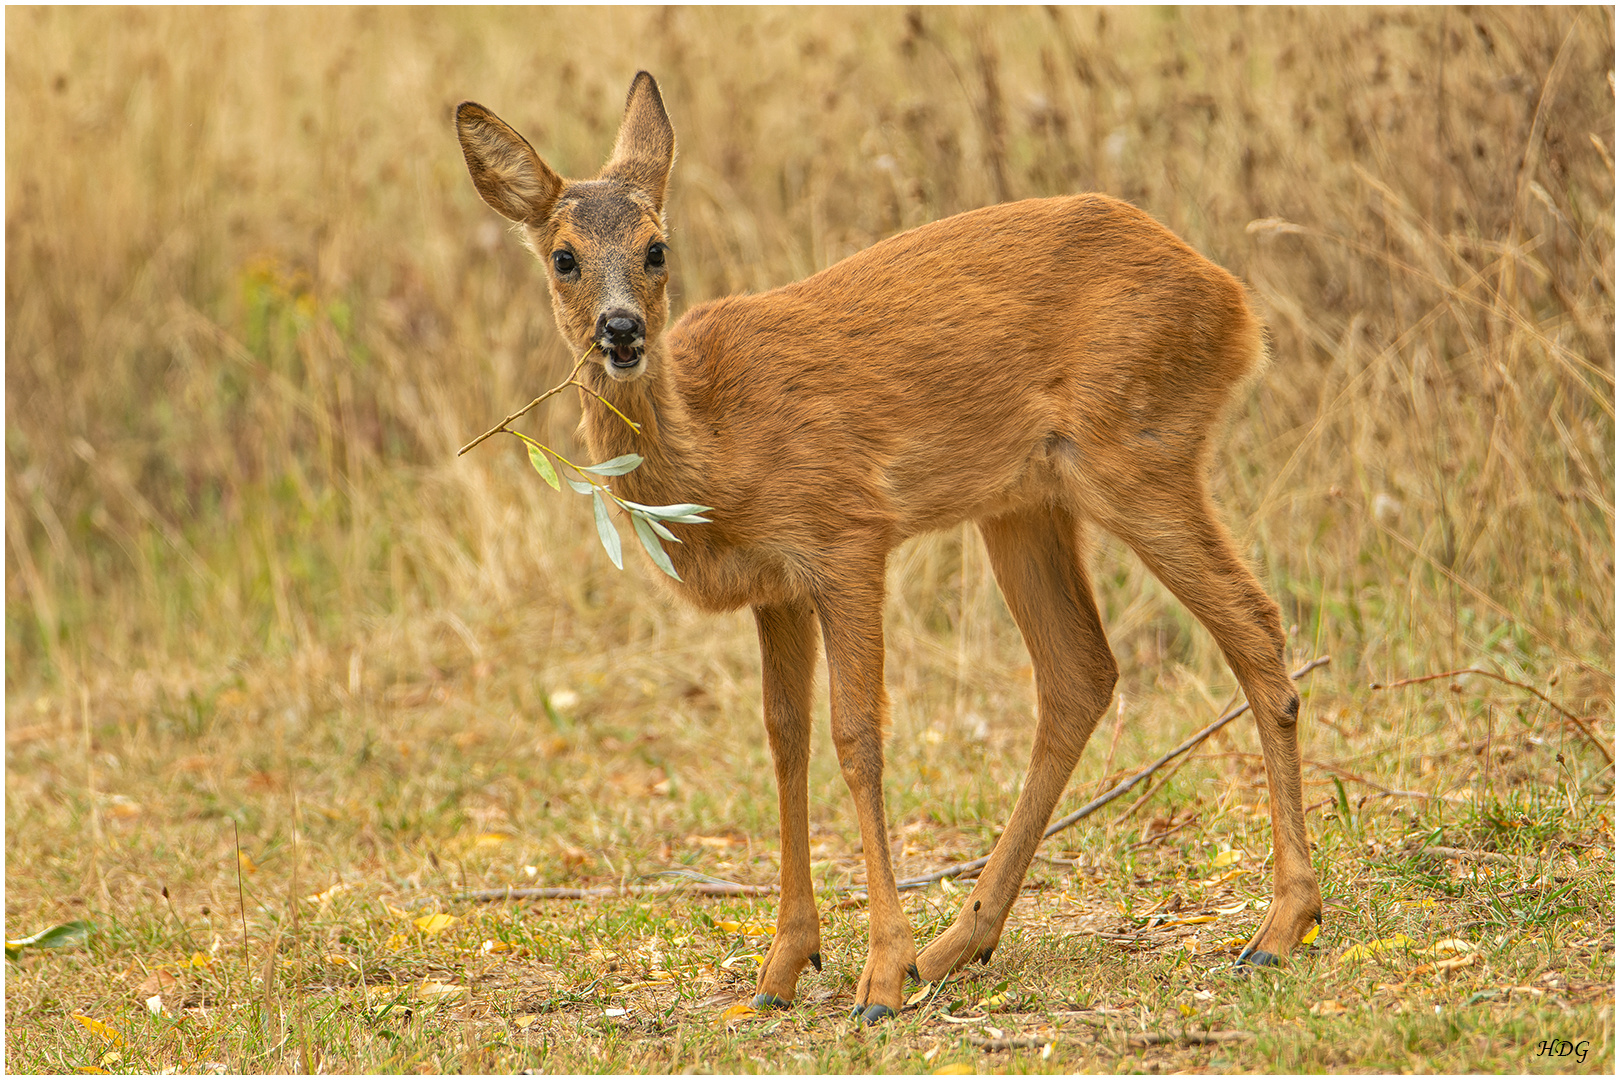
(408, 805)
(251, 593)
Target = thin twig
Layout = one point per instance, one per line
(1190, 1035)
(1478, 856)
(700, 888)
(1150, 792)
(1559, 709)
(635, 427)
(559, 388)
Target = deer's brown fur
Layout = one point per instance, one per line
(1039, 367)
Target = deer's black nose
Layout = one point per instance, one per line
(620, 329)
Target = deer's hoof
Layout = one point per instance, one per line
(771, 1001)
(1256, 958)
(871, 1014)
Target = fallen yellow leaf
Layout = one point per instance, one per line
(490, 839)
(493, 946)
(1426, 902)
(1310, 935)
(434, 924)
(1222, 879)
(1447, 947)
(1329, 1007)
(959, 1068)
(927, 988)
(1367, 950)
(429, 990)
(758, 958)
(397, 941)
(107, 1032)
(737, 1013)
(201, 960)
(1226, 858)
(1191, 921)
(323, 897)
(731, 926)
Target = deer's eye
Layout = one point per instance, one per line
(655, 253)
(563, 262)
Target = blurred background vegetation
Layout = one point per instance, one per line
(254, 305)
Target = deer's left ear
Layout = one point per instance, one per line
(645, 150)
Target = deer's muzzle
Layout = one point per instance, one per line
(621, 336)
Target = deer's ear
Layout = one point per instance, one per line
(505, 169)
(645, 150)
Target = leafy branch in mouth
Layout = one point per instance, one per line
(650, 522)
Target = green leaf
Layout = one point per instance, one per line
(650, 541)
(673, 512)
(543, 466)
(605, 529)
(72, 935)
(617, 467)
(581, 486)
(658, 528)
(1344, 805)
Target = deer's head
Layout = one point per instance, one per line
(601, 240)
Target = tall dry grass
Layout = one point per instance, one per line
(253, 306)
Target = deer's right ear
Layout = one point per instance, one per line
(505, 169)
(644, 152)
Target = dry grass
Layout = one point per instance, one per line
(253, 306)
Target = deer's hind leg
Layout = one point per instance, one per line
(1038, 557)
(1184, 544)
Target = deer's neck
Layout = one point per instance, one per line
(670, 471)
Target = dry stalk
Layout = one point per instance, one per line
(1608, 755)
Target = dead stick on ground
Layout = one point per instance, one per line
(1109, 796)
(697, 888)
(1496, 857)
(1190, 1035)
(1608, 755)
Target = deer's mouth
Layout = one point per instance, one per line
(624, 359)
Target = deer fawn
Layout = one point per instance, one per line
(1039, 367)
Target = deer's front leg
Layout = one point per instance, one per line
(787, 649)
(852, 626)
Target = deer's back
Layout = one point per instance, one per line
(948, 370)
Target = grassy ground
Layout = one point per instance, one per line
(284, 678)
